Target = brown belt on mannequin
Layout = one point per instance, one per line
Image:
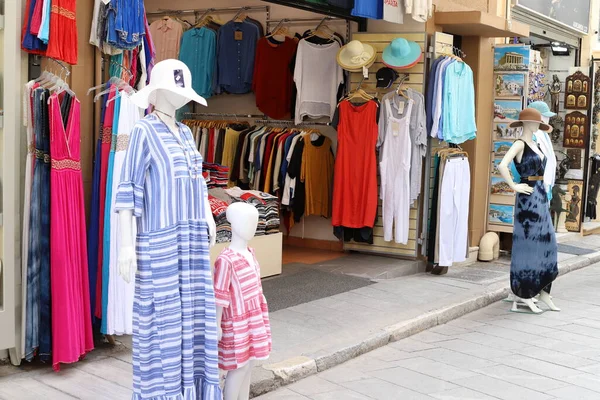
(534, 178)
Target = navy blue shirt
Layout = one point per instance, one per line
(431, 82)
(236, 46)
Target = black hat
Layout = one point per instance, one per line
(385, 77)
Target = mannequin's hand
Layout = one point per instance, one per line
(212, 232)
(127, 263)
(523, 188)
(219, 334)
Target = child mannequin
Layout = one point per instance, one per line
(240, 300)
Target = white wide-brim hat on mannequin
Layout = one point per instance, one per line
(172, 75)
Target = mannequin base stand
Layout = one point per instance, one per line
(519, 305)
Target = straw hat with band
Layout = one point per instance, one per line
(171, 75)
(356, 55)
(401, 53)
(531, 115)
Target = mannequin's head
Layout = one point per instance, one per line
(545, 119)
(167, 99)
(243, 219)
(530, 126)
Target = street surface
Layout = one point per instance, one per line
(488, 354)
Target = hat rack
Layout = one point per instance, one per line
(306, 21)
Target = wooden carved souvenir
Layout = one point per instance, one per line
(577, 91)
(575, 130)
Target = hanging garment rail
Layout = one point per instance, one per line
(301, 21)
(197, 11)
(191, 115)
(288, 122)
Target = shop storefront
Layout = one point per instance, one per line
(464, 37)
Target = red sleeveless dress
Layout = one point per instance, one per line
(355, 172)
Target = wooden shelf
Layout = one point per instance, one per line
(479, 23)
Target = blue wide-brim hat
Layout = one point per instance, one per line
(401, 53)
(543, 108)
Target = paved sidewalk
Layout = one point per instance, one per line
(308, 338)
(488, 354)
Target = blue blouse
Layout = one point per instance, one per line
(198, 52)
(236, 46)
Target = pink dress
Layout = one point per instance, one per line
(71, 316)
(245, 320)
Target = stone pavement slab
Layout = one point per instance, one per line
(485, 355)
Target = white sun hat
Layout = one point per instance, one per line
(172, 75)
(355, 55)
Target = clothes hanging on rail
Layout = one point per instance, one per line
(236, 49)
(448, 222)
(317, 76)
(166, 35)
(271, 161)
(394, 105)
(273, 79)
(120, 294)
(93, 228)
(71, 320)
(355, 180)
(198, 52)
(395, 155)
(451, 101)
(30, 42)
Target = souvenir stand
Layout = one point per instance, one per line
(512, 64)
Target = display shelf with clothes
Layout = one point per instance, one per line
(219, 53)
(449, 118)
(50, 30)
(294, 164)
(111, 297)
(119, 25)
(404, 175)
(449, 220)
(57, 323)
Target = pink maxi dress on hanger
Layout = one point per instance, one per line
(71, 316)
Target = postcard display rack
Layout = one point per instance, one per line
(515, 67)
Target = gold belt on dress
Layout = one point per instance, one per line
(534, 178)
(66, 164)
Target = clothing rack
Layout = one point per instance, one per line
(455, 50)
(191, 115)
(199, 11)
(303, 21)
(288, 122)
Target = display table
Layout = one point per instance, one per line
(268, 250)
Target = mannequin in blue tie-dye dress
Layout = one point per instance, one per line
(534, 253)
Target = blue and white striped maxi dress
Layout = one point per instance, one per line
(175, 352)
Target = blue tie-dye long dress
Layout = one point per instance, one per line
(534, 264)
